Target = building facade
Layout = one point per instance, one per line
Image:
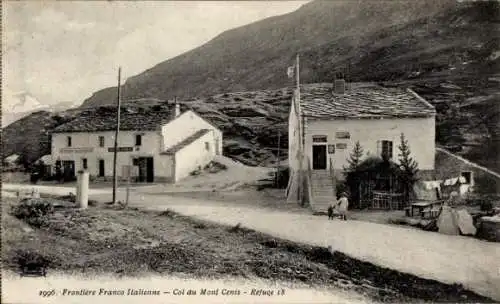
(327, 120)
(329, 124)
(144, 140)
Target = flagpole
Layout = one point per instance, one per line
(117, 131)
(301, 132)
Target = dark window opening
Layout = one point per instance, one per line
(84, 164)
(138, 140)
(387, 148)
(468, 176)
(101, 141)
(69, 141)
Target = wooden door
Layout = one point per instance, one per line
(319, 157)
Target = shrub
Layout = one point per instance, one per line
(33, 211)
(26, 258)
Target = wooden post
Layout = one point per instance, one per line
(128, 186)
(278, 162)
(117, 131)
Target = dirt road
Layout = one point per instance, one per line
(450, 259)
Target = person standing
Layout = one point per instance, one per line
(343, 204)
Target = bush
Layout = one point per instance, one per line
(486, 205)
(30, 260)
(33, 211)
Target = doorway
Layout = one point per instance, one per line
(146, 169)
(101, 167)
(68, 169)
(319, 157)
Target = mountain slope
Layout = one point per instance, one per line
(256, 56)
(447, 51)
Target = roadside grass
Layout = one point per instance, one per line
(130, 242)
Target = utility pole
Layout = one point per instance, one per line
(115, 151)
(278, 162)
(301, 134)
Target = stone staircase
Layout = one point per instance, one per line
(323, 191)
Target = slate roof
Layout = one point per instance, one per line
(105, 120)
(186, 142)
(362, 101)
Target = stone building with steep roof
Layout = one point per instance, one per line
(162, 145)
(326, 120)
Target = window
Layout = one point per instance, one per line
(468, 177)
(207, 146)
(319, 138)
(138, 140)
(69, 141)
(343, 135)
(386, 148)
(341, 146)
(101, 141)
(84, 163)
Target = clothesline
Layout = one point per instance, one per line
(447, 182)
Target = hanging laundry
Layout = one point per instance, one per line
(454, 181)
(428, 185)
(462, 180)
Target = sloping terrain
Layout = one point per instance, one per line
(447, 51)
(130, 242)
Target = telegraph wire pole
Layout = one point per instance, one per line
(117, 131)
(278, 162)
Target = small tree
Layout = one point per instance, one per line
(355, 158)
(351, 172)
(408, 167)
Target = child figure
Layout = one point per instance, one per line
(342, 206)
(330, 212)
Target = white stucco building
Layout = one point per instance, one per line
(163, 145)
(327, 120)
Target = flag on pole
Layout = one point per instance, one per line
(290, 71)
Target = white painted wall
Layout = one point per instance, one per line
(150, 147)
(86, 145)
(420, 133)
(194, 155)
(293, 137)
(185, 125)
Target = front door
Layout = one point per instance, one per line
(141, 164)
(319, 157)
(101, 167)
(150, 170)
(146, 169)
(68, 168)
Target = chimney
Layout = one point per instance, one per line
(177, 108)
(339, 84)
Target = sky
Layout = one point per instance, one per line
(64, 51)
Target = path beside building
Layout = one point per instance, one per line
(449, 259)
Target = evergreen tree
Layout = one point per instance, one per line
(355, 158)
(408, 167)
(351, 173)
